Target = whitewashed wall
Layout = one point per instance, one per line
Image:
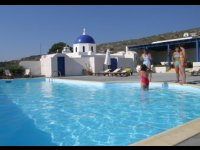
(34, 66)
(98, 63)
(46, 67)
(74, 66)
(80, 47)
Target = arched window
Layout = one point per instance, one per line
(83, 48)
(92, 48)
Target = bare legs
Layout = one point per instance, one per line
(182, 72)
(150, 72)
(177, 73)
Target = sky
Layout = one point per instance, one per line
(32, 29)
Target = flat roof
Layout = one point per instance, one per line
(170, 40)
(165, 43)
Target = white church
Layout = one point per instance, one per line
(84, 56)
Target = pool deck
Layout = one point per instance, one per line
(156, 77)
(185, 135)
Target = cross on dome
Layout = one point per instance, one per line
(84, 33)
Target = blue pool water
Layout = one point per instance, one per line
(39, 112)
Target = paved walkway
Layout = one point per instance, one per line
(156, 77)
(163, 77)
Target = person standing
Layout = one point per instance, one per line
(144, 77)
(182, 64)
(147, 59)
(176, 62)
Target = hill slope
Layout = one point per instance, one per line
(120, 45)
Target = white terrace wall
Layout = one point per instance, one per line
(97, 63)
(46, 67)
(75, 66)
(34, 66)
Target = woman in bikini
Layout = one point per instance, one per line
(144, 77)
(176, 61)
(182, 64)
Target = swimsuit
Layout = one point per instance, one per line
(177, 58)
(146, 61)
(181, 59)
(145, 81)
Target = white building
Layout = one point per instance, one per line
(84, 56)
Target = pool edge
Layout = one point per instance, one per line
(172, 136)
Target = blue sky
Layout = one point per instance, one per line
(23, 28)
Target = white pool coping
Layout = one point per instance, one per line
(172, 136)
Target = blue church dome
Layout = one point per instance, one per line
(85, 39)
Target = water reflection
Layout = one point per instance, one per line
(47, 89)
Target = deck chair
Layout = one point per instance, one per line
(115, 72)
(122, 73)
(27, 73)
(196, 69)
(105, 72)
(126, 72)
(8, 74)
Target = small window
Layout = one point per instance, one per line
(92, 48)
(83, 48)
(76, 49)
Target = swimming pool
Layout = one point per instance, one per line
(64, 112)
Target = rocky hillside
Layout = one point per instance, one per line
(120, 45)
(7, 64)
(32, 58)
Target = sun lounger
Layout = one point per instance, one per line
(8, 74)
(105, 72)
(115, 72)
(122, 73)
(196, 69)
(27, 73)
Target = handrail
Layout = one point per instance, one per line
(59, 73)
(53, 75)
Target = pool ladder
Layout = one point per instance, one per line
(54, 75)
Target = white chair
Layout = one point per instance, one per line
(7, 73)
(195, 69)
(27, 72)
